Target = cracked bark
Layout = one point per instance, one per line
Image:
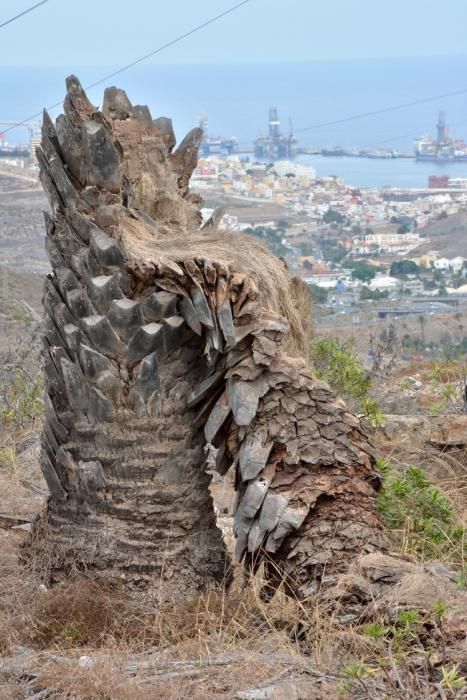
(161, 335)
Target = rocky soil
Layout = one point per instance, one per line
(22, 232)
(447, 235)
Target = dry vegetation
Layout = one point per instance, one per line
(91, 638)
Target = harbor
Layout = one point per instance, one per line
(437, 163)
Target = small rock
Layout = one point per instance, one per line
(437, 568)
(85, 662)
(450, 431)
(282, 691)
(414, 383)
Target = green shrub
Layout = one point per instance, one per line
(338, 364)
(318, 294)
(419, 516)
(22, 398)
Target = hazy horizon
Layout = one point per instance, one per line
(237, 97)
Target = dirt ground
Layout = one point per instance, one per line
(22, 232)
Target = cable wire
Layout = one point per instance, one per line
(384, 110)
(21, 14)
(412, 135)
(141, 59)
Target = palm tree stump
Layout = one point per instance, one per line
(162, 336)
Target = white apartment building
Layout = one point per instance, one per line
(382, 283)
(454, 265)
(384, 242)
(328, 280)
(284, 167)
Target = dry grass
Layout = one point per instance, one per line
(89, 641)
(210, 646)
(86, 612)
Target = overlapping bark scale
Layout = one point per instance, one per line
(161, 336)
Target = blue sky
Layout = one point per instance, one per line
(114, 32)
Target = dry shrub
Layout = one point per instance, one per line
(81, 612)
(101, 682)
(98, 614)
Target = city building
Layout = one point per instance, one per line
(284, 168)
(438, 182)
(323, 276)
(453, 265)
(384, 242)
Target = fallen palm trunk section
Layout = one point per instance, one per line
(163, 335)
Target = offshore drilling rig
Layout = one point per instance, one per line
(276, 145)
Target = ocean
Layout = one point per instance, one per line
(397, 172)
(236, 99)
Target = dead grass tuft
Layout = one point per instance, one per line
(103, 681)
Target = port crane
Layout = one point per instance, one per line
(32, 127)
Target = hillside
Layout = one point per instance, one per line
(448, 236)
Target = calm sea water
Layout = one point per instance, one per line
(237, 98)
(363, 172)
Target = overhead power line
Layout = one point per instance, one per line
(198, 28)
(170, 43)
(403, 137)
(21, 14)
(382, 111)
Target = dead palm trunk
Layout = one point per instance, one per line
(160, 337)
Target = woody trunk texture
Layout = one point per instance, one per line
(162, 336)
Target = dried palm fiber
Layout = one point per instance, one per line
(277, 290)
(162, 335)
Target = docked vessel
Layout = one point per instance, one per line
(211, 145)
(14, 152)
